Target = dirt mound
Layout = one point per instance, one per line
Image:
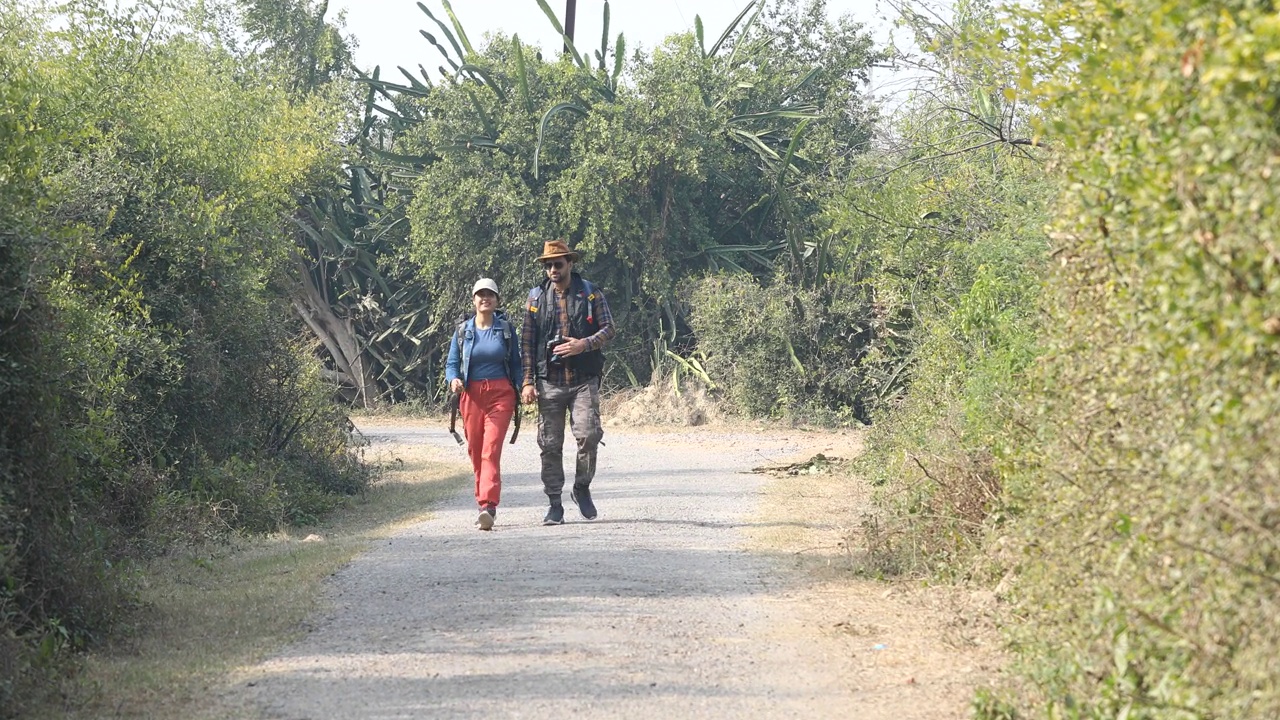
(660, 404)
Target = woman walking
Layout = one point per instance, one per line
(484, 368)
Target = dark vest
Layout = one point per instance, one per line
(581, 324)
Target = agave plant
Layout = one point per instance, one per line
(369, 318)
(368, 314)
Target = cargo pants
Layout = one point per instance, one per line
(582, 402)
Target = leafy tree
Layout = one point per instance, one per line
(296, 42)
(954, 194)
(658, 167)
(941, 204)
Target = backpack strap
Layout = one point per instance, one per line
(590, 291)
(535, 299)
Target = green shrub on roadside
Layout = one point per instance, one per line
(948, 237)
(1146, 461)
(150, 370)
(52, 554)
(934, 455)
(781, 350)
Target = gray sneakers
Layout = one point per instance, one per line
(555, 515)
(582, 498)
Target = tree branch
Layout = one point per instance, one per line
(939, 156)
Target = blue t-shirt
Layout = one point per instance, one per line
(487, 355)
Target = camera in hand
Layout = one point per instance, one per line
(552, 357)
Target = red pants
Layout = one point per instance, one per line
(487, 407)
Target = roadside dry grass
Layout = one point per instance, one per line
(901, 645)
(206, 611)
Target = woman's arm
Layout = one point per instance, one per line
(452, 366)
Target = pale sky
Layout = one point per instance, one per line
(387, 30)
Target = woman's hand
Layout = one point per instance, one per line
(455, 386)
(529, 395)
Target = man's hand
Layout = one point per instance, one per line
(571, 346)
(529, 395)
(455, 386)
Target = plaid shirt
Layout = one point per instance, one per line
(563, 375)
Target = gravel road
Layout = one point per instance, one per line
(654, 610)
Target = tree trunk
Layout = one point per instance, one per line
(338, 335)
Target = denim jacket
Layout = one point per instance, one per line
(464, 339)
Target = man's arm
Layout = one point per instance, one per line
(604, 320)
(528, 340)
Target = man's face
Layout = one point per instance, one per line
(557, 269)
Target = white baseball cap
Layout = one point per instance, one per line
(485, 284)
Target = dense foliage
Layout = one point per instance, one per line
(660, 167)
(184, 195)
(1146, 464)
(1112, 455)
(153, 379)
(956, 282)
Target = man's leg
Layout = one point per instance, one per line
(587, 430)
(553, 401)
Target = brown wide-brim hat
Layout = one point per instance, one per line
(556, 249)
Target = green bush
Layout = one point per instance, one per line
(52, 552)
(1146, 461)
(934, 455)
(945, 230)
(781, 350)
(151, 375)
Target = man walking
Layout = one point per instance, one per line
(566, 325)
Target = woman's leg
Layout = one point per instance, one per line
(500, 404)
(472, 407)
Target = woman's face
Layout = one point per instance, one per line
(485, 301)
